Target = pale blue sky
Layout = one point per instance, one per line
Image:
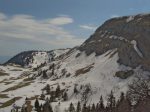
(51, 24)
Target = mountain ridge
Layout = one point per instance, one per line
(100, 65)
(127, 36)
(27, 58)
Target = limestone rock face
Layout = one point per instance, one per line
(129, 34)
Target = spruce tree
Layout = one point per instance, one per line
(52, 97)
(48, 89)
(111, 102)
(57, 93)
(45, 74)
(36, 104)
(71, 108)
(121, 96)
(47, 107)
(123, 105)
(101, 106)
(75, 90)
(42, 96)
(65, 96)
(93, 108)
(97, 107)
(53, 69)
(84, 108)
(78, 107)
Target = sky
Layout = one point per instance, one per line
(52, 24)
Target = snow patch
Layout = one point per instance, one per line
(134, 43)
(130, 18)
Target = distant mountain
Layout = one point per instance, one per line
(35, 58)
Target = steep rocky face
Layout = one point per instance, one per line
(129, 34)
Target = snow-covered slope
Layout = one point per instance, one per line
(109, 60)
(95, 72)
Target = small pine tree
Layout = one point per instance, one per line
(123, 105)
(71, 108)
(84, 108)
(41, 108)
(48, 89)
(47, 99)
(57, 93)
(53, 69)
(93, 108)
(111, 102)
(47, 107)
(121, 96)
(26, 98)
(97, 107)
(78, 107)
(52, 97)
(65, 96)
(75, 90)
(36, 104)
(45, 74)
(101, 103)
(42, 96)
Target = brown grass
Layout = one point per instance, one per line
(3, 96)
(10, 102)
(7, 83)
(3, 80)
(16, 70)
(20, 85)
(3, 73)
(83, 70)
(28, 79)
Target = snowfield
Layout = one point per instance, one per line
(95, 72)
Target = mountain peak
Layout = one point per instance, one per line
(120, 33)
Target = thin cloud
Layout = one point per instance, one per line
(61, 20)
(26, 28)
(88, 27)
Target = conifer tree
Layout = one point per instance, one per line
(101, 106)
(78, 107)
(52, 97)
(41, 108)
(121, 96)
(84, 108)
(111, 102)
(47, 107)
(48, 89)
(71, 108)
(97, 107)
(57, 93)
(93, 108)
(123, 105)
(36, 104)
(75, 89)
(45, 74)
(42, 96)
(65, 96)
(53, 68)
